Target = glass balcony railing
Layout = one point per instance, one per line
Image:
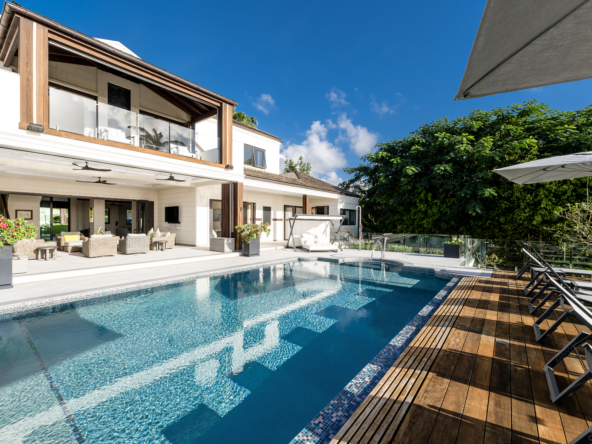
(77, 114)
(72, 113)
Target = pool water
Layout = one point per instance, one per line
(248, 357)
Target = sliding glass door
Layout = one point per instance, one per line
(54, 216)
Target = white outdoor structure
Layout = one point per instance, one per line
(313, 233)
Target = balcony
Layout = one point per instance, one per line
(78, 114)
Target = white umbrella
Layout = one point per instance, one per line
(524, 44)
(572, 166)
(551, 169)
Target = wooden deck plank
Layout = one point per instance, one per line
(472, 428)
(423, 419)
(524, 429)
(416, 355)
(498, 427)
(548, 419)
(474, 373)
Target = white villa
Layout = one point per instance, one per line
(93, 136)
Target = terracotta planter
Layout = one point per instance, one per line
(6, 267)
(252, 248)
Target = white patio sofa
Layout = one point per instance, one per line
(312, 243)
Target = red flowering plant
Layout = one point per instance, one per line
(14, 230)
(252, 231)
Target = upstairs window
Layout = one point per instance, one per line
(255, 157)
(350, 217)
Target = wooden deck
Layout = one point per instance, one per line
(475, 374)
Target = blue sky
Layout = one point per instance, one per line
(329, 78)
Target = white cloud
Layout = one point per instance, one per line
(336, 97)
(324, 157)
(384, 109)
(360, 139)
(264, 103)
(332, 178)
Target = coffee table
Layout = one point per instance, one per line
(47, 250)
(161, 245)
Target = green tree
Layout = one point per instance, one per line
(439, 178)
(241, 117)
(300, 166)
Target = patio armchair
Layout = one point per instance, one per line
(134, 243)
(100, 245)
(170, 238)
(70, 241)
(29, 247)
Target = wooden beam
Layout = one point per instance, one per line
(172, 100)
(11, 42)
(11, 47)
(226, 221)
(199, 106)
(72, 60)
(237, 212)
(225, 133)
(42, 76)
(305, 204)
(25, 64)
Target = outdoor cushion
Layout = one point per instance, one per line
(136, 234)
(100, 235)
(71, 237)
(77, 243)
(168, 233)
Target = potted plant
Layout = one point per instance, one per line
(453, 248)
(251, 236)
(11, 231)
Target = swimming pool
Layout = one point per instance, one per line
(249, 357)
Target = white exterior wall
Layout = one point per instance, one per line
(335, 207)
(185, 198)
(276, 202)
(23, 202)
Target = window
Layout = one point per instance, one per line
(267, 215)
(320, 210)
(255, 157)
(350, 217)
(107, 215)
(119, 97)
(128, 219)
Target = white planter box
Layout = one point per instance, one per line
(222, 244)
(20, 264)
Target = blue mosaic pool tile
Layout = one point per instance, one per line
(323, 428)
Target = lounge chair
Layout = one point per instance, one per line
(315, 243)
(70, 241)
(135, 243)
(100, 245)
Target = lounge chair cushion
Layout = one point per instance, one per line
(71, 237)
(77, 243)
(93, 236)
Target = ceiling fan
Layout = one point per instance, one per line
(87, 168)
(172, 179)
(102, 182)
